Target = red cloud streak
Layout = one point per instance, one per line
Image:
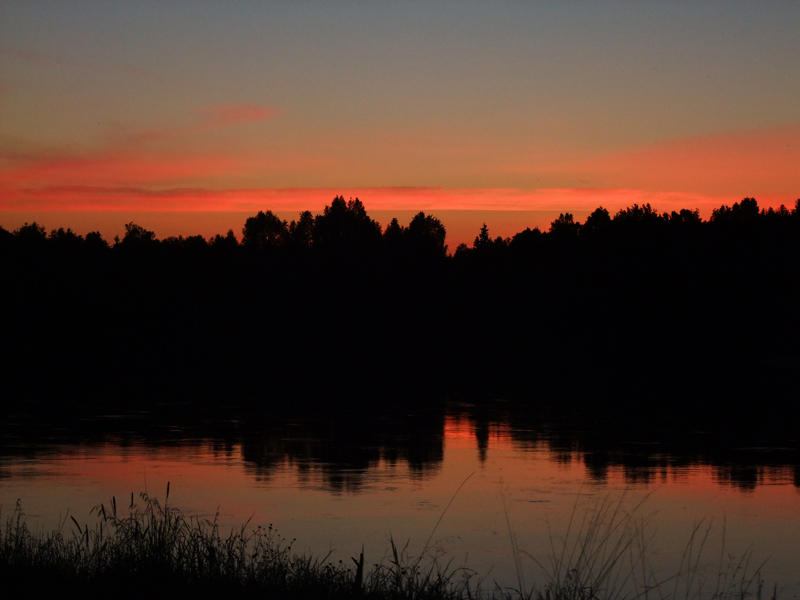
(96, 198)
(741, 162)
(223, 115)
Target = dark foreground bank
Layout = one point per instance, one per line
(628, 309)
(155, 552)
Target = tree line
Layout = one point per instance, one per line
(345, 226)
(632, 304)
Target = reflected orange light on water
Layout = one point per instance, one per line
(486, 479)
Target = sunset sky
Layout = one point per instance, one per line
(204, 112)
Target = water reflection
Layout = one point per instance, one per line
(335, 480)
(340, 452)
(645, 450)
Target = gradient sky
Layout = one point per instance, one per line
(121, 108)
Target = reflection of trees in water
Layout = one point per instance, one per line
(336, 452)
(644, 448)
(341, 453)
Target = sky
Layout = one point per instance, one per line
(116, 111)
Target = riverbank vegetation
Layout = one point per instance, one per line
(629, 305)
(153, 551)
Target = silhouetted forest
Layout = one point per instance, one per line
(633, 309)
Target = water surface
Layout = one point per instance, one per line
(335, 483)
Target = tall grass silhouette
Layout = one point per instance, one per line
(605, 554)
(151, 550)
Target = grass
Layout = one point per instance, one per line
(604, 555)
(151, 550)
(154, 551)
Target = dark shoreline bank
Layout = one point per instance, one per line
(633, 310)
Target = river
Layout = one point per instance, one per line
(495, 494)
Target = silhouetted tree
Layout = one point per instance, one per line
(394, 238)
(94, 241)
(686, 217)
(462, 251)
(195, 244)
(740, 213)
(30, 233)
(136, 235)
(482, 241)
(6, 237)
(637, 215)
(228, 242)
(265, 230)
(598, 221)
(393, 233)
(565, 226)
(173, 242)
(772, 214)
(65, 240)
(301, 232)
(526, 240)
(426, 233)
(346, 224)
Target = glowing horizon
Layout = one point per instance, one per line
(107, 107)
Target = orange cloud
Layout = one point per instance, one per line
(81, 197)
(112, 168)
(224, 115)
(748, 163)
(123, 161)
(206, 118)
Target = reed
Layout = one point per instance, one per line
(151, 550)
(605, 555)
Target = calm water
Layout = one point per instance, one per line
(335, 484)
